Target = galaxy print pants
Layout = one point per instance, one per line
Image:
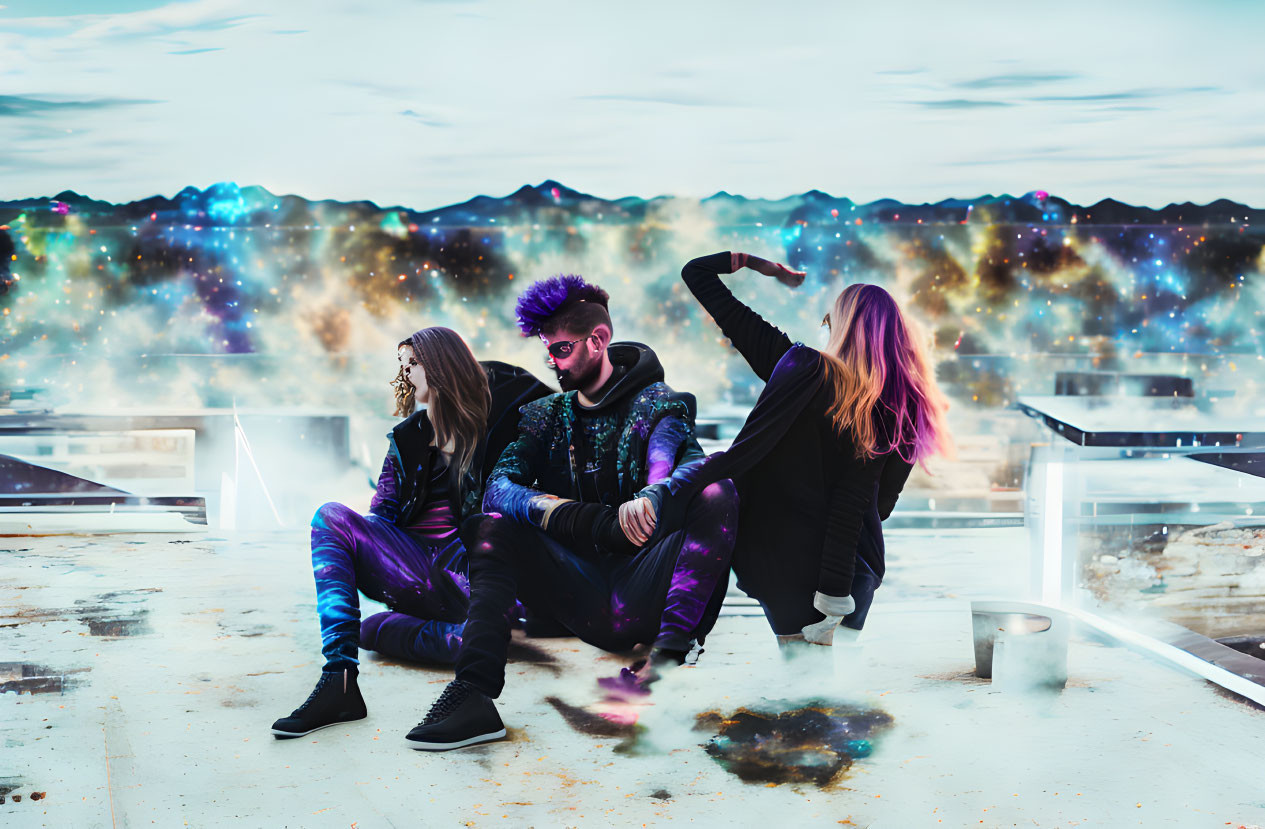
(423, 583)
(669, 594)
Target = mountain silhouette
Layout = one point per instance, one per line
(227, 204)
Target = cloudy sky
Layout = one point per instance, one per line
(428, 102)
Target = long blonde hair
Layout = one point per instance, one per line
(877, 363)
(459, 395)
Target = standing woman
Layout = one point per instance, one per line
(823, 455)
(406, 553)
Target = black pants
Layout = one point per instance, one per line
(783, 578)
(788, 611)
(669, 594)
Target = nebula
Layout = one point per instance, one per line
(238, 295)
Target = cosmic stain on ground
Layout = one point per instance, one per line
(785, 742)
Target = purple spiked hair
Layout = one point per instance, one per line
(546, 297)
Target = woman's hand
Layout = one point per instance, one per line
(637, 519)
(823, 632)
(834, 608)
(780, 272)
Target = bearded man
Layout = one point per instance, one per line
(565, 527)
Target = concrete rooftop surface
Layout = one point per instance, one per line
(140, 675)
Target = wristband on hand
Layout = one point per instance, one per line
(834, 605)
(541, 507)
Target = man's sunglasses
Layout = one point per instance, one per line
(561, 350)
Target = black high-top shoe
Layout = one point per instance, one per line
(462, 716)
(336, 699)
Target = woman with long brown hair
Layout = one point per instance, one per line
(823, 455)
(406, 553)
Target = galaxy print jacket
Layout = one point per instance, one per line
(640, 423)
(404, 483)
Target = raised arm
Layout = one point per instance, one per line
(761, 343)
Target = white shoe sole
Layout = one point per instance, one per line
(482, 738)
(278, 733)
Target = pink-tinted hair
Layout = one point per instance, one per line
(878, 363)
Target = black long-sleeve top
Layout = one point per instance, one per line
(802, 487)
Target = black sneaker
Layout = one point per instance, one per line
(462, 716)
(335, 699)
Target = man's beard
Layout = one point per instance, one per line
(570, 380)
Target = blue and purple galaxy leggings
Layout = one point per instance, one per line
(423, 581)
(668, 595)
